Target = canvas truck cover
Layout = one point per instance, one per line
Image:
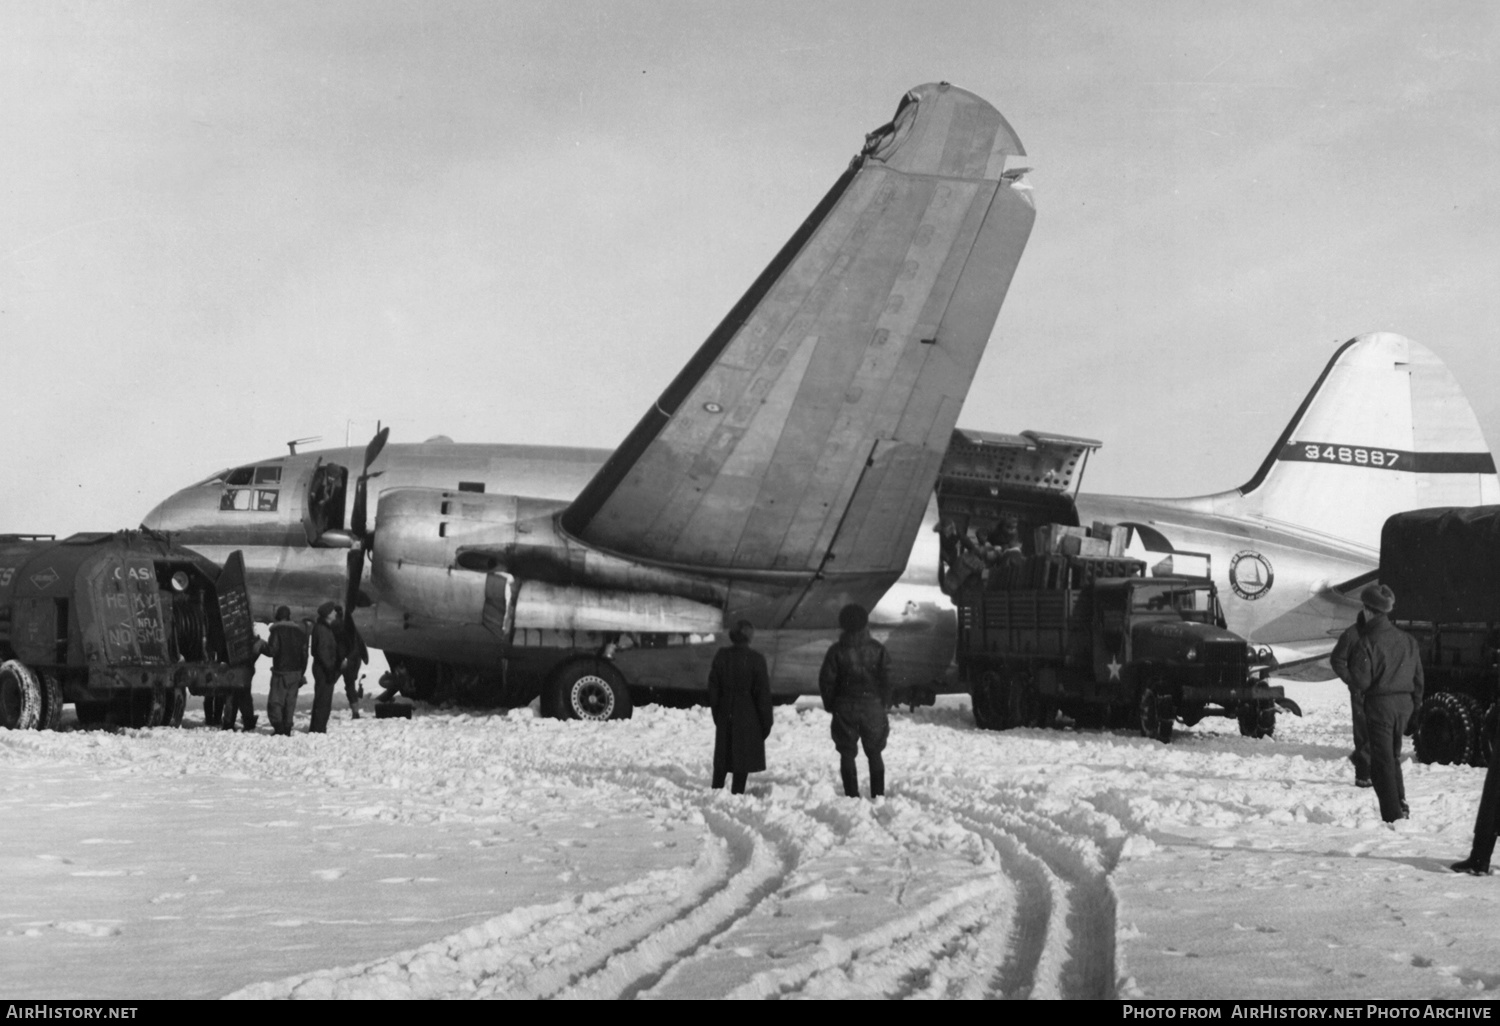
(1443, 564)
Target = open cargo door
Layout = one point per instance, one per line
(234, 611)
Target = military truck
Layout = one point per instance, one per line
(1076, 624)
(1444, 566)
(122, 625)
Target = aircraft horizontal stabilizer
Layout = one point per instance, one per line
(805, 435)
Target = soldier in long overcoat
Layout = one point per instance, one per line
(739, 694)
(856, 688)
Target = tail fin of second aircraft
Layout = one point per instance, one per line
(804, 438)
(1386, 428)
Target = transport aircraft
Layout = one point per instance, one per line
(785, 471)
(803, 459)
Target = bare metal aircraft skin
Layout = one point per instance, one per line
(785, 472)
(1386, 428)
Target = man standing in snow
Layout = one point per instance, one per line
(287, 647)
(856, 688)
(739, 693)
(326, 666)
(1487, 820)
(1386, 673)
(1339, 661)
(353, 654)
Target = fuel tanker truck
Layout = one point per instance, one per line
(124, 626)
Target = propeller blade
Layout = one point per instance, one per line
(373, 449)
(357, 517)
(356, 571)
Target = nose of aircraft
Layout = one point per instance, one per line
(184, 510)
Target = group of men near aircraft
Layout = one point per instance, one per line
(1382, 667)
(337, 652)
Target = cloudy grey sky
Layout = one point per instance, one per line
(225, 225)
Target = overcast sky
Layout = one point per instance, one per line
(226, 225)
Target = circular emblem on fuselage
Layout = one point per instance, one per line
(1250, 574)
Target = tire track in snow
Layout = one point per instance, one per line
(1076, 958)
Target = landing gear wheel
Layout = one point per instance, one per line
(989, 696)
(1446, 732)
(20, 697)
(1257, 719)
(590, 690)
(1156, 716)
(52, 703)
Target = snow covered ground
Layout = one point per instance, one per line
(462, 855)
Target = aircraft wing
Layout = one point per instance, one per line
(806, 433)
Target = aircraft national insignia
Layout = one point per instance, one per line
(1250, 574)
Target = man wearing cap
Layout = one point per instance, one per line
(1339, 661)
(327, 665)
(856, 688)
(1386, 673)
(287, 647)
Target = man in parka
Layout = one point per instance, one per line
(856, 688)
(326, 663)
(1339, 661)
(739, 693)
(287, 647)
(1386, 672)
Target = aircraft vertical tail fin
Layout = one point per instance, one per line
(1386, 428)
(806, 433)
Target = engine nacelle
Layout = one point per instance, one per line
(499, 561)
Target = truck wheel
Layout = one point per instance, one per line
(1257, 719)
(175, 705)
(90, 714)
(20, 697)
(52, 703)
(143, 708)
(1156, 716)
(1478, 749)
(1028, 706)
(989, 698)
(590, 690)
(1446, 732)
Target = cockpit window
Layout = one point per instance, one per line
(267, 475)
(240, 476)
(215, 478)
(259, 500)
